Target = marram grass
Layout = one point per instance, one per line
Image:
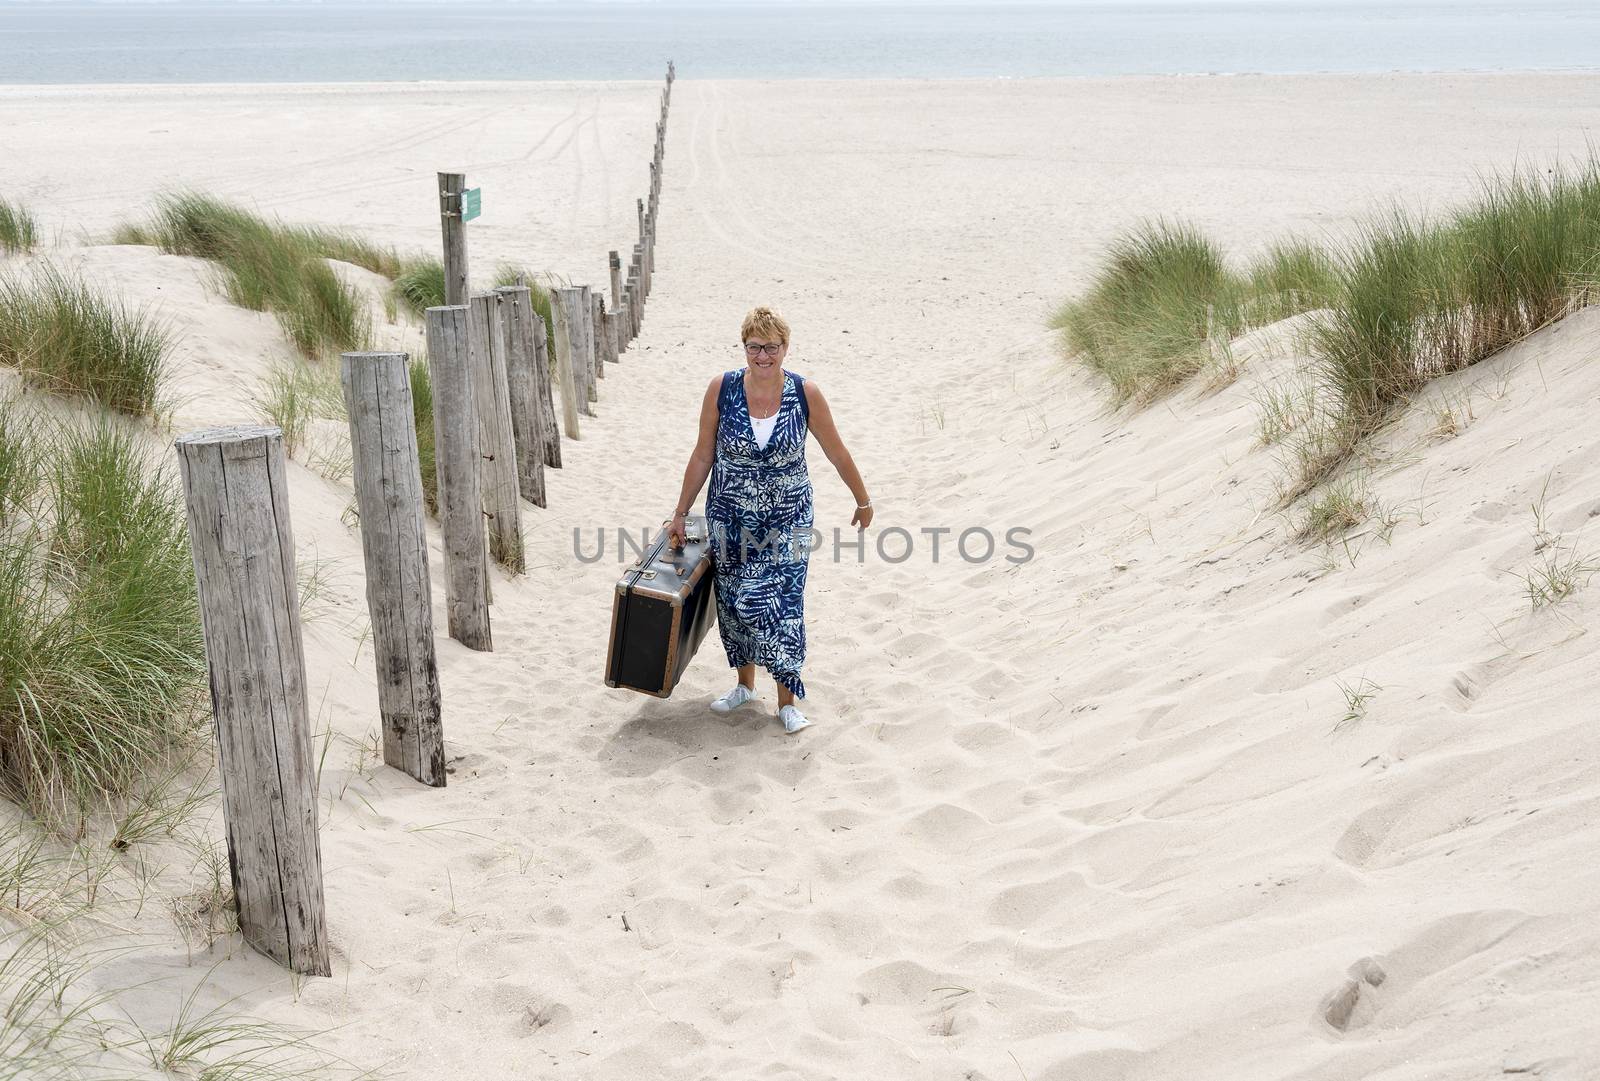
(1407, 299)
(65, 337)
(1162, 295)
(18, 231)
(420, 285)
(422, 418)
(267, 266)
(102, 662)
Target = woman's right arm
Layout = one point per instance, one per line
(700, 461)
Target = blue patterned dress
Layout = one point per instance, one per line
(759, 518)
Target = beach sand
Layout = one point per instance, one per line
(1101, 814)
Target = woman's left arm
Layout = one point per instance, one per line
(827, 434)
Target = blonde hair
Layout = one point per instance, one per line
(765, 322)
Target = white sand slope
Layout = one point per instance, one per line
(1096, 815)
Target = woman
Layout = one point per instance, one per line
(752, 443)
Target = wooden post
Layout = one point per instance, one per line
(635, 302)
(527, 417)
(455, 437)
(451, 185)
(543, 364)
(608, 334)
(561, 309)
(486, 345)
(583, 318)
(640, 204)
(243, 547)
(619, 316)
(647, 255)
(602, 331)
(394, 541)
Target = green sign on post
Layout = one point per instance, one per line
(471, 203)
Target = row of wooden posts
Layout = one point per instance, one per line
(495, 433)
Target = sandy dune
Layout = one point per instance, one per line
(1096, 815)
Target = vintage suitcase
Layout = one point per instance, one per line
(663, 607)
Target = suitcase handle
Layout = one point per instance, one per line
(689, 533)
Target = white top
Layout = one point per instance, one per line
(763, 428)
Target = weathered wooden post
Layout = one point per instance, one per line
(543, 366)
(394, 541)
(243, 547)
(601, 331)
(527, 416)
(635, 300)
(561, 310)
(486, 346)
(583, 318)
(619, 316)
(647, 255)
(455, 436)
(451, 185)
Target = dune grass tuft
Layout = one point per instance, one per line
(102, 664)
(1292, 277)
(422, 416)
(350, 248)
(67, 338)
(21, 461)
(18, 231)
(1421, 298)
(1162, 296)
(296, 393)
(420, 285)
(1408, 299)
(267, 266)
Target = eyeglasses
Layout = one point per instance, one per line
(755, 349)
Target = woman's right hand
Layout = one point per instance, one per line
(675, 532)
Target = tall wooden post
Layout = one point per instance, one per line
(455, 437)
(486, 345)
(562, 309)
(597, 313)
(647, 253)
(543, 368)
(583, 319)
(635, 302)
(619, 317)
(451, 185)
(243, 547)
(527, 417)
(394, 542)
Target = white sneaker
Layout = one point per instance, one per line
(734, 698)
(793, 720)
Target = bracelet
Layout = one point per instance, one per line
(684, 512)
(864, 506)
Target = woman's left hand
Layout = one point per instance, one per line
(862, 517)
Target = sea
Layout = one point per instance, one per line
(208, 41)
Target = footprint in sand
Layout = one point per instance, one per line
(1355, 1001)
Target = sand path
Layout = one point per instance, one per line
(1086, 816)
